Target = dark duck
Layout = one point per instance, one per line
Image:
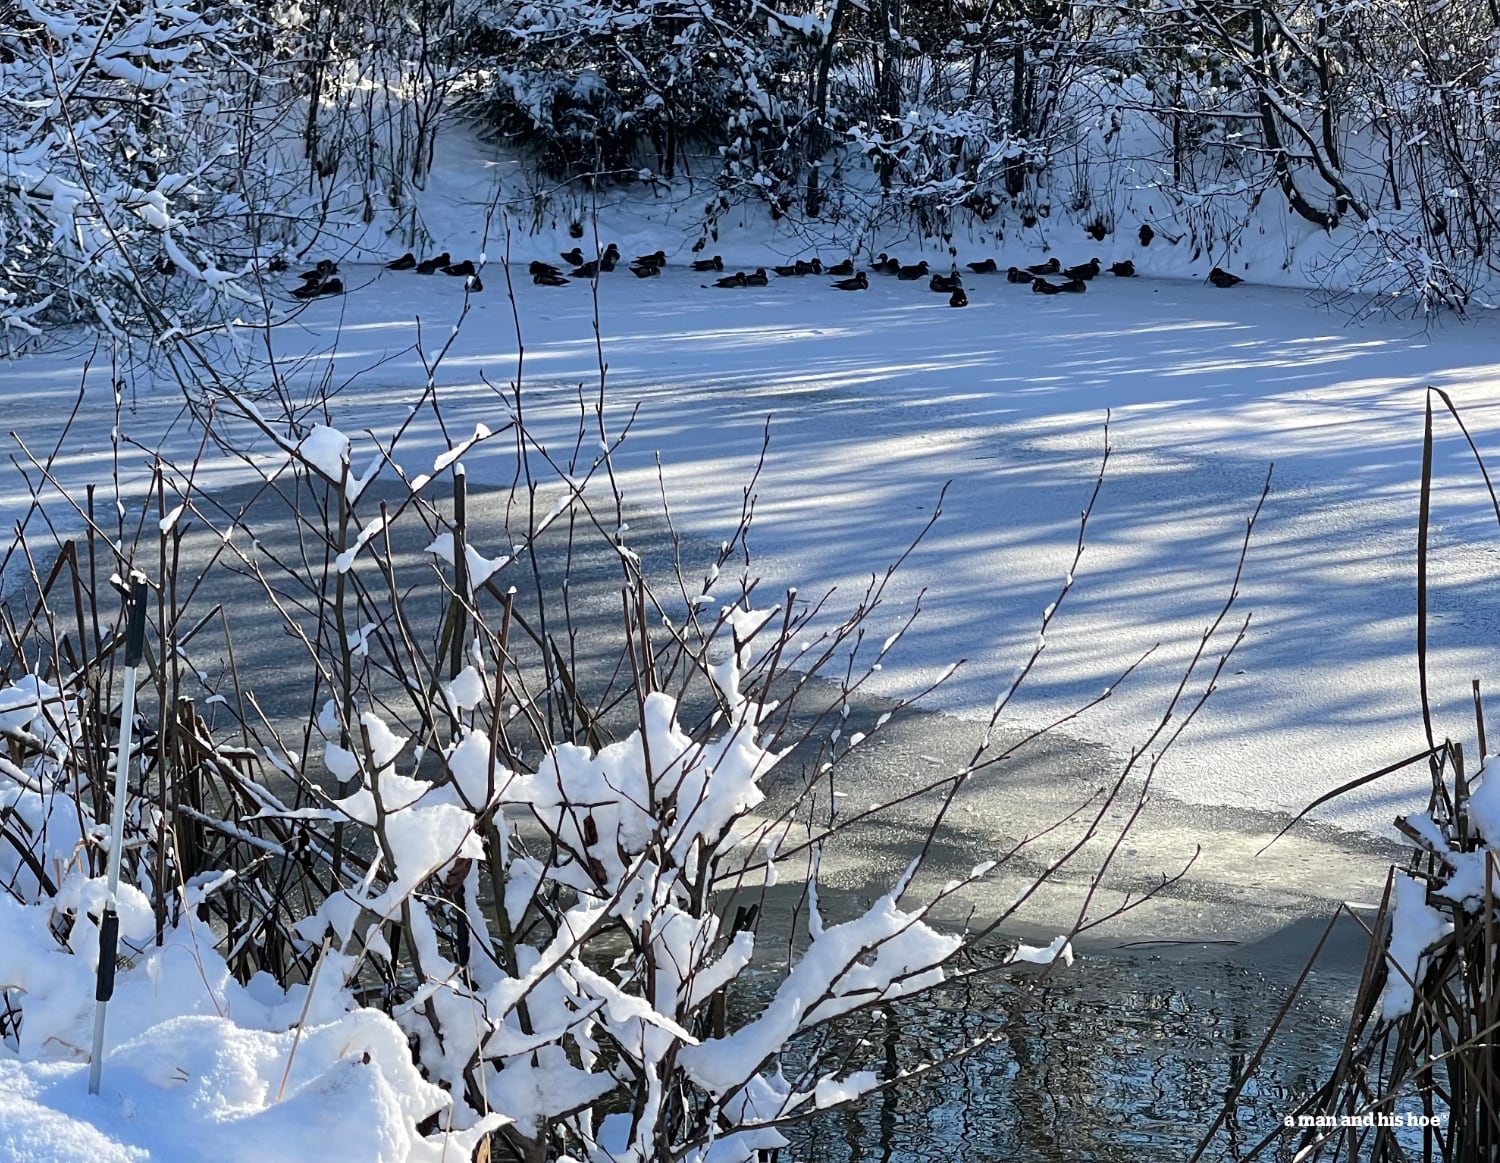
(324, 268)
(316, 290)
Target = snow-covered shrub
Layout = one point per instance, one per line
(120, 165)
(553, 920)
(1417, 1073)
(153, 157)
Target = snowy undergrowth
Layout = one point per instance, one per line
(502, 884)
(534, 1039)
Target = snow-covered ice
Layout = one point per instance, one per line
(877, 400)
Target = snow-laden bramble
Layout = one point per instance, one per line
(637, 828)
(470, 1041)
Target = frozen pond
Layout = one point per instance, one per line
(877, 400)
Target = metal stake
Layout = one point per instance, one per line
(109, 924)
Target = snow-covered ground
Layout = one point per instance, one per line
(877, 399)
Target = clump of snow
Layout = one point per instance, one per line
(1061, 949)
(466, 691)
(1484, 807)
(1415, 928)
(344, 562)
(1465, 882)
(327, 450)
(830, 1092)
(481, 568)
(837, 972)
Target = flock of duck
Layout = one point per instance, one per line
(845, 275)
(320, 281)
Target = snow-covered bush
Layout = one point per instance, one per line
(549, 933)
(154, 157)
(120, 165)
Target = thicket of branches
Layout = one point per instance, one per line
(155, 158)
(1377, 119)
(143, 142)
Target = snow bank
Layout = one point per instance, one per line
(201, 1087)
(199, 1067)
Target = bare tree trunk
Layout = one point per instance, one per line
(316, 67)
(1272, 131)
(818, 137)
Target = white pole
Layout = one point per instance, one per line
(109, 924)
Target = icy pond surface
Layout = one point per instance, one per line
(876, 404)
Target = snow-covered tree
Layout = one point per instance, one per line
(122, 166)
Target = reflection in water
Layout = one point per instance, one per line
(1114, 1059)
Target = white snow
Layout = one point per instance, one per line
(1484, 806)
(1415, 928)
(481, 568)
(831, 1092)
(1061, 949)
(835, 972)
(327, 450)
(198, 1066)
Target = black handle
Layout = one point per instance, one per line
(135, 633)
(109, 943)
